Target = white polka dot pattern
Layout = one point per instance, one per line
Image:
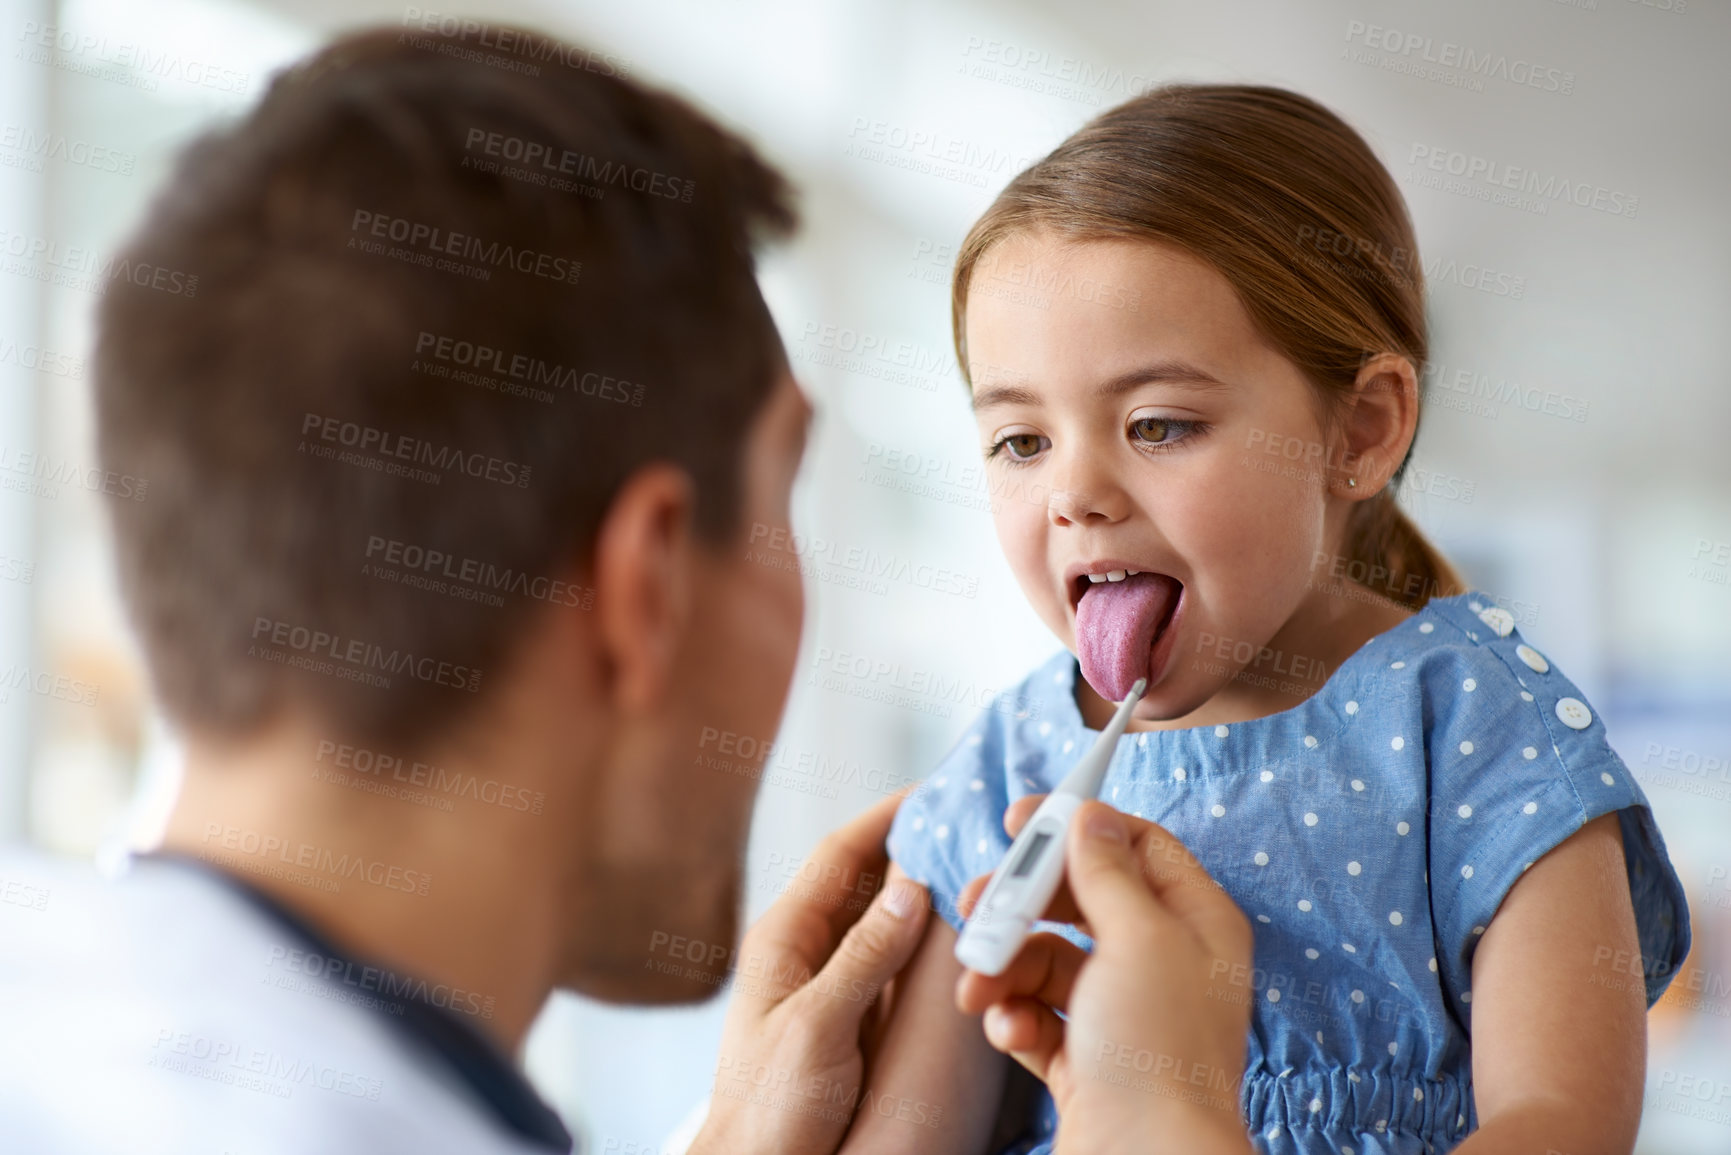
(1434, 729)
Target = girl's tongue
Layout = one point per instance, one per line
(1115, 627)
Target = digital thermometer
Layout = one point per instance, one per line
(1026, 879)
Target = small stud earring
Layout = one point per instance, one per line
(1352, 483)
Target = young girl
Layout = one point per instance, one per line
(1194, 334)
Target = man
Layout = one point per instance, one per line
(440, 576)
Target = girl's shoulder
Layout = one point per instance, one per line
(1036, 714)
(1466, 654)
(1516, 760)
(1460, 679)
(952, 823)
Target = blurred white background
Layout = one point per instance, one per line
(899, 121)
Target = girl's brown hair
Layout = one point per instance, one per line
(1293, 208)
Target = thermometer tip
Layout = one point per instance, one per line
(1136, 690)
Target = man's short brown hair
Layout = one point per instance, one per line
(433, 305)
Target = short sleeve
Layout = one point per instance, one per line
(1518, 763)
(951, 829)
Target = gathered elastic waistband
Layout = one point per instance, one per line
(1358, 1100)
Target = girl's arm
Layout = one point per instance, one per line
(935, 1082)
(1559, 1038)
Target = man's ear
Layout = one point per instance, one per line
(643, 582)
(1377, 427)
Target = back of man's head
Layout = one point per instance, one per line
(396, 339)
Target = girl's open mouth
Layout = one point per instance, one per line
(1120, 625)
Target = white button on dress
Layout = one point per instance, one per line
(1574, 713)
(1501, 622)
(1535, 661)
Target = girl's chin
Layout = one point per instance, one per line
(1174, 701)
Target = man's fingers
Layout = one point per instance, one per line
(873, 951)
(1144, 878)
(1176, 878)
(1170, 872)
(833, 873)
(1027, 1031)
(970, 895)
(1182, 885)
(1045, 969)
(1106, 878)
(1020, 811)
(802, 929)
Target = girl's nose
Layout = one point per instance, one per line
(1064, 506)
(1086, 497)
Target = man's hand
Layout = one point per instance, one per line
(792, 1057)
(1153, 1050)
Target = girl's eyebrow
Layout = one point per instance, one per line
(1161, 372)
(1004, 395)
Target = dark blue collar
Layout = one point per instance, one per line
(471, 1056)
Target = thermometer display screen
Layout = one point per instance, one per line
(1030, 855)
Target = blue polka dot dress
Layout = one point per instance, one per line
(1370, 832)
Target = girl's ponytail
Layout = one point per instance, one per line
(1388, 555)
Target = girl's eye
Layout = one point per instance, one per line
(1160, 431)
(1021, 446)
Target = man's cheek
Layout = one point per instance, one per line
(764, 617)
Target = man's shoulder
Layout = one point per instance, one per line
(165, 997)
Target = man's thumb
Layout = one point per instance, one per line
(876, 948)
(1108, 889)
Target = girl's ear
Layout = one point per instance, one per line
(1377, 427)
